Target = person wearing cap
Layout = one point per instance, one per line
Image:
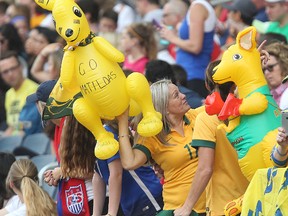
(240, 16)
(277, 11)
(11, 71)
(261, 12)
(42, 94)
(34, 106)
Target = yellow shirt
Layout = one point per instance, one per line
(227, 182)
(179, 162)
(15, 100)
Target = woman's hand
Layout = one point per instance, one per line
(264, 55)
(45, 52)
(168, 34)
(182, 211)
(282, 138)
(48, 178)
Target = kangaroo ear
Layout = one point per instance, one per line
(46, 4)
(246, 39)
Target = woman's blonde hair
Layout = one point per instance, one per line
(160, 98)
(24, 176)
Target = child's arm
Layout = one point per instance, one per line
(99, 193)
(115, 186)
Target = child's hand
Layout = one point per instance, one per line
(48, 178)
(51, 177)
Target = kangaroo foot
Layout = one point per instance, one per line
(150, 125)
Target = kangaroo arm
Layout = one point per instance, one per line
(254, 104)
(107, 50)
(67, 74)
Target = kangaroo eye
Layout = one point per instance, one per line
(237, 57)
(76, 11)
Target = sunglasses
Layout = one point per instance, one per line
(270, 68)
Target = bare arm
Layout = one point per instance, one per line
(202, 176)
(3, 212)
(99, 193)
(115, 186)
(37, 69)
(130, 158)
(198, 15)
(8, 131)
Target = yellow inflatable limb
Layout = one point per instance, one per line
(106, 146)
(138, 89)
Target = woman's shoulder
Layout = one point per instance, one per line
(20, 211)
(283, 101)
(14, 204)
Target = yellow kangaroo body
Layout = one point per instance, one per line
(91, 66)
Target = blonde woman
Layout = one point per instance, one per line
(174, 141)
(23, 180)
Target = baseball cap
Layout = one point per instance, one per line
(42, 93)
(285, 79)
(246, 7)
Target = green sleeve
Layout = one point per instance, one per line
(203, 143)
(144, 149)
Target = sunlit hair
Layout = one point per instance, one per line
(24, 176)
(144, 32)
(280, 52)
(76, 150)
(160, 98)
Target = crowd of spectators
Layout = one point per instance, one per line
(173, 40)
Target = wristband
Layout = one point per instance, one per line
(279, 163)
(282, 155)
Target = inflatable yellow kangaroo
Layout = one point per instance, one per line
(254, 116)
(90, 66)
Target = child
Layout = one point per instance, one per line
(23, 180)
(139, 46)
